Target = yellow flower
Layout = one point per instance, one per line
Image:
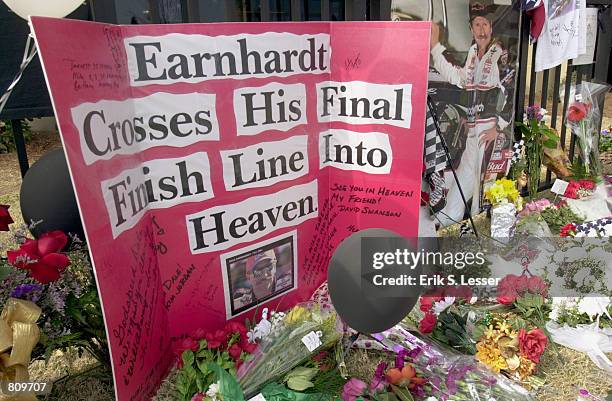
(504, 327)
(526, 368)
(296, 315)
(491, 356)
(490, 333)
(504, 190)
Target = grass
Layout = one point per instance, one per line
(78, 378)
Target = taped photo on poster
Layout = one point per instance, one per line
(474, 59)
(259, 273)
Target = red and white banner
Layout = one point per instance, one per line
(218, 166)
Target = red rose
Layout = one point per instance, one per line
(26, 255)
(238, 363)
(199, 334)
(571, 192)
(587, 184)
(52, 242)
(568, 230)
(426, 304)
(577, 111)
(532, 344)
(190, 343)
(236, 327)
(424, 198)
(198, 397)
(5, 218)
(428, 323)
(247, 346)
(41, 257)
(211, 341)
(235, 351)
(507, 290)
(320, 356)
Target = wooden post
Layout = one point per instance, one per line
(22, 155)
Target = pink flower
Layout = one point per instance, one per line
(353, 389)
(535, 285)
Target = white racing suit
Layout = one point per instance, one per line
(485, 81)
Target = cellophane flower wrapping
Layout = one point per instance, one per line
(503, 221)
(583, 118)
(283, 349)
(451, 376)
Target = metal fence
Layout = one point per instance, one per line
(544, 88)
(551, 88)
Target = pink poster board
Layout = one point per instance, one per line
(218, 166)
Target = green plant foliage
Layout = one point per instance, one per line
(451, 330)
(556, 218)
(7, 143)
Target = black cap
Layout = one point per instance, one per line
(481, 8)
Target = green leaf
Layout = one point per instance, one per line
(203, 366)
(303, 372)
(402, 393)
(188, 358)
(228, 386)
(5, 271)
(550, 144)
(299, 383)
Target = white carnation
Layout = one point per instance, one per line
(213, 391)
(594, 306)
(440, 306)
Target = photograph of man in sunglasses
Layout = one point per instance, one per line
(260, 274)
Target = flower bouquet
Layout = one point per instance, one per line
(511, 345)
(201, 356)
(61, 283)
(585, 325)
(579, 189)
(449, 376)
(506, 201)
(304, 330)
(582, 117)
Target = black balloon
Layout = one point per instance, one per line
(362, 307)
(47, 196)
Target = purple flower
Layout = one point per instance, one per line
(400, 357)
(415, 352)
(534, 113)
(379, 382)
(30, 292)
(380, 370)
